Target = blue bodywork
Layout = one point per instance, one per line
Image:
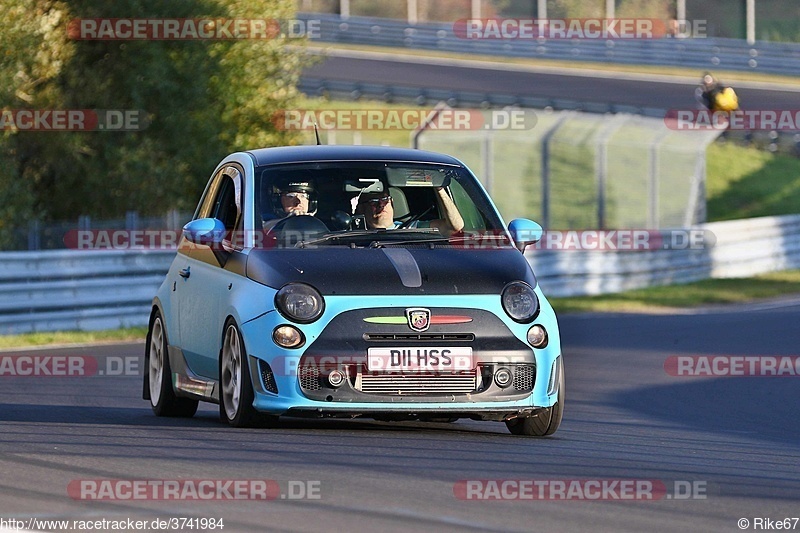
(205, 288)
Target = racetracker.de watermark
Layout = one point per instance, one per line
(622, 240)
(580, 489)
(629, 240)
(189, 490)
(190, 29)
(741, 119)
(771, 366)
(68, 366)
(73, 120)
(575, 28)
(405, 119)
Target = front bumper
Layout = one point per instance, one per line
(342, 334)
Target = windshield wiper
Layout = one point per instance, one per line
(344, 235)
(381, 244)
(348, 236)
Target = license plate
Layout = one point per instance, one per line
(422, 359)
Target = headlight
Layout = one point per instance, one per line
(520, 302)
(299, 302)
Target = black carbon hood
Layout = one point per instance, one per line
(340, 270)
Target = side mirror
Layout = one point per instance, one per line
(205, 231)
(524, 232)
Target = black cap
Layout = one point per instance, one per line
(299, 186)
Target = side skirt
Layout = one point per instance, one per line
(186, 383)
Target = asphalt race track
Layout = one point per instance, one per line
(736, 440)
(607, 88)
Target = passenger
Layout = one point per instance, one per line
(378, 211)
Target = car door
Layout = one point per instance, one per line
(207, 281)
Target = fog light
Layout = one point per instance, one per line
(537, 336)
(288, 337)
(336, 378)
(503, 377)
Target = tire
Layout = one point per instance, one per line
(546, 420)
(159, 375)
(236, 390)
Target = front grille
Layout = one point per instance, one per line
(461, 383)
(309, 377)
(267, 377)
(467, 337)
(524, 377)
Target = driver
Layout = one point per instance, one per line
(378, 211)
(295, 198)
(290, 198)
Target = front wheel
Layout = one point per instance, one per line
(159, 375)
(236, 394)
(544, 421)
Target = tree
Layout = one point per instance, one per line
(201, 99)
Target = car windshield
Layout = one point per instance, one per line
(373, 203)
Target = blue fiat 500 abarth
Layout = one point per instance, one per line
(350, 281)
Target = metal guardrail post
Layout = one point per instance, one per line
(601, 171)
(546, 167)
(34, 236)
(413, 17)
(84, 223)
(610, 9)
(696, 210)
(653, 218)
(132, 220)
(487, 161)
(415, 135)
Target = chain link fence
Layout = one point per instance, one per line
(578, 170)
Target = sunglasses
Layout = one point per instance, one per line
(375, 202)
(299, 195)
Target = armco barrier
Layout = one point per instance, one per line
(71, 289)
(695, 53)
(78, 290)
(346, 89)
(737, 248)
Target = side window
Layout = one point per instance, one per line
(225, 205)
(469, 211)
(209, 197)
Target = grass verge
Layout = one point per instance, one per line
(744, 182)
(706, 292)
(72, 337)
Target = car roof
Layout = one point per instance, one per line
(311, 153)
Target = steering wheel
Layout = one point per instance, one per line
(416, 217)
